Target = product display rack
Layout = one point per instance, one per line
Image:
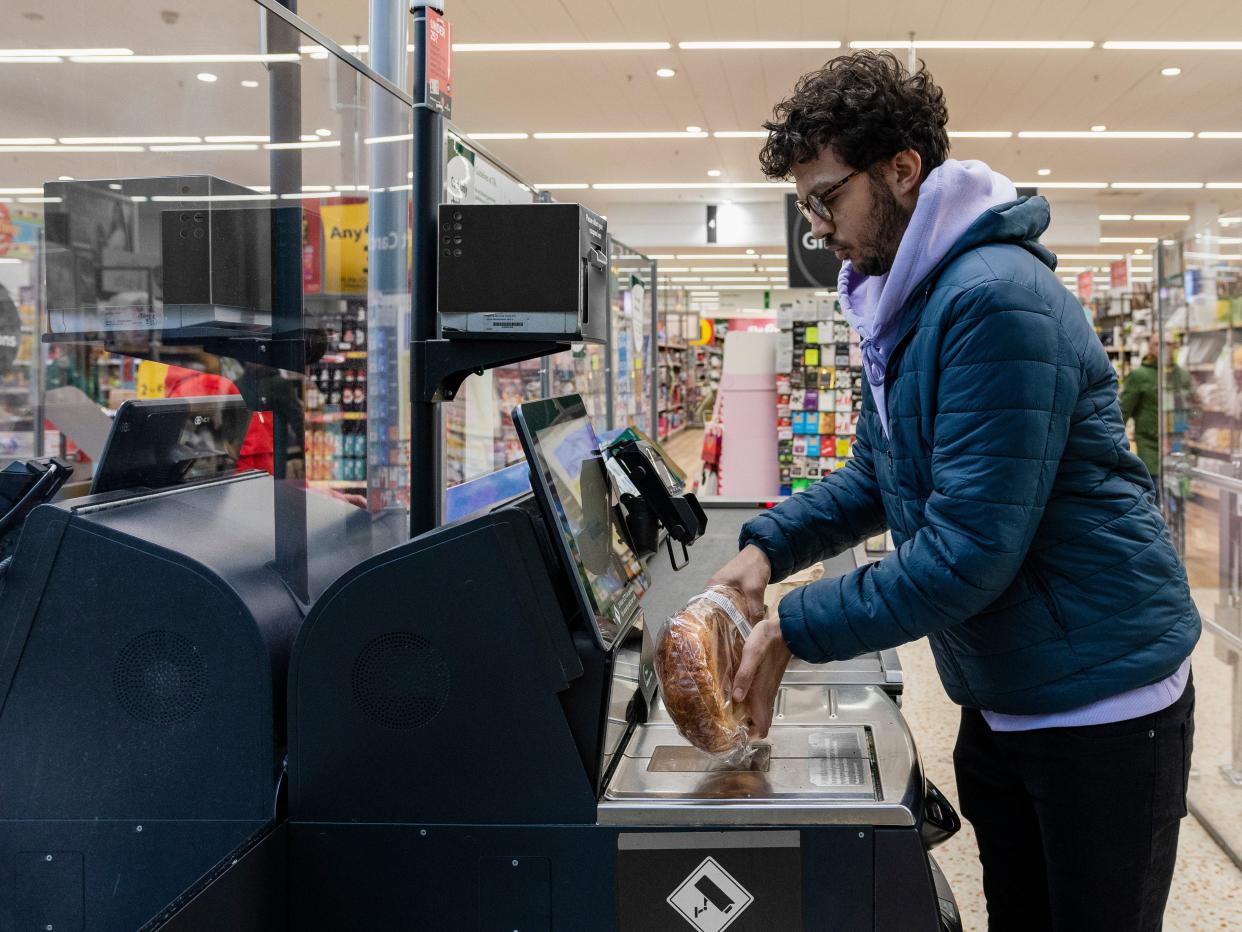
(705, 367)
(1124, 323)
(1201, 409)
(673, 369)
(336, 396)
(818, 391)
(632, 339)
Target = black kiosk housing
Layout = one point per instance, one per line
(453, 752)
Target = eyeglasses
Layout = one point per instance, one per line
(816, 205)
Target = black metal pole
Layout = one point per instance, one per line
(428, 159)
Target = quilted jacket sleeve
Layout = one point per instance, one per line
(833, 515)
(1008, 380)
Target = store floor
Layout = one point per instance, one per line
(1207, 886)
(684, 447)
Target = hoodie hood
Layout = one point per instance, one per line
(961, 205)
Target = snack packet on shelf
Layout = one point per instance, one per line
(698, 654)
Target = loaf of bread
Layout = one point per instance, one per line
(696, 658)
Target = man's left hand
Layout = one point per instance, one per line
(758, 677)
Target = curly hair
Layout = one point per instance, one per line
(867, 107)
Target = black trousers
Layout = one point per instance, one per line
(1077, 827)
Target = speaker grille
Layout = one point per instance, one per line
(160, 678)
(400, 680)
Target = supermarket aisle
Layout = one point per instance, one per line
(1207, 887)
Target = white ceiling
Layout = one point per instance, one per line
(619, 91)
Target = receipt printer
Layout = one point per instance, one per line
(522, 272)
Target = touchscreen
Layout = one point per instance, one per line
(563, 451)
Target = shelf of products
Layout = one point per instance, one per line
(630, 337)
(336, 397)
(818, 391)
(705, 366)
(1201, 310)
(673, 369)
(1124, 322)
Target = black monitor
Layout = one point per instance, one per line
(164, 442)
(571, 482)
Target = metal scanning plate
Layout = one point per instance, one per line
(675, 759)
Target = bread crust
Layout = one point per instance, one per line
(697, 656)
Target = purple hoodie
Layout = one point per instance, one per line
(950, 200)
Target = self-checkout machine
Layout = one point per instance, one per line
(145, 628)
(475, 750)
(475, 735)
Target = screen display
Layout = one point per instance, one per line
(573, 482)
(164, 442)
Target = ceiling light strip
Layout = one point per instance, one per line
(126, 140)
(70, 149)
(325, 144)
(1158, 185)
(759, 45)
(209, 58)
(974, 44)
(1105, 134)
(1165, 46)
(1070, 185)
(63, 53)
(672, 134)
(209, 147)
(692, 185)
(561, 46)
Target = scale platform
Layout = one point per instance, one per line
(835, 755)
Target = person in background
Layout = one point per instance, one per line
(1029, 552)
(1140, 402)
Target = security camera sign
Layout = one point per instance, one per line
(709, 898)
(711, 881)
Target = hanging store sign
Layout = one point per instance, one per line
(1086, 286)
(1119, 275)
(439, 76)
(811, 263)
(312, 249)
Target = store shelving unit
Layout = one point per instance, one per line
(819, 391)
(674, 370)
(705, 368)
(1124, 322)
(336, 395)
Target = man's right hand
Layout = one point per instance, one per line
(748, 572)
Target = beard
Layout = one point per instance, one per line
(888, 224)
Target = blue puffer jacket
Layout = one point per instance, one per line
(1029, 549)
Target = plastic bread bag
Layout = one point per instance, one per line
(699, 651)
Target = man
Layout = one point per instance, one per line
(1029, 549)
(1140, 400)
